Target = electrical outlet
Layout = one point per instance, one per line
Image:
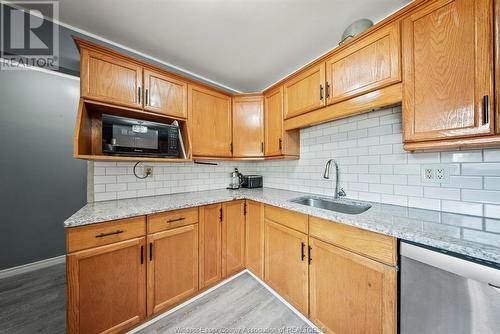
(148, 170)
(435, 174)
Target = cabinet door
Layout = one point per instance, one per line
(210, 244)
(110, 79)
(164, 94)
(273, 106)
(285, 263)
(448, 70)
(172, 267)
(305, 91)
(233, 237)
(349, 293)
(254, 238)
(210, 115)
(107, 287)
(248, 126)
(367, 65)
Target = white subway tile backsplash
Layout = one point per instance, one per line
(373, 167)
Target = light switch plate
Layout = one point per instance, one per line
(437, 173)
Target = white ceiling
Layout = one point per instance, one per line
(245, 45)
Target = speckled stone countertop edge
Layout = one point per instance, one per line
(373, 221)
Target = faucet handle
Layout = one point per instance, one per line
(342, 193)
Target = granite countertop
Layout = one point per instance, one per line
(461, 234)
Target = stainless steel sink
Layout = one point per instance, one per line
(344, 206)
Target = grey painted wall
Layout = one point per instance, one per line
(40, 182)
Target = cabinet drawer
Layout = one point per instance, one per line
(78, 238)
(172, 219)
(295, 220)
(373, 245)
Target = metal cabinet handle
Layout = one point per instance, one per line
(139, 94)
(486, 109)
(321, 92)
(220, 215)
(150, 251)
(142, 254)
(280, 144)
(327, 88)
(309, 248)
(146, 98)
(262, 147)
(302, 251)
(102, 235)
(175, 220)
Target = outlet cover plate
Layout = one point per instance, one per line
(437, 173)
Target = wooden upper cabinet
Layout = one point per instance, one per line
(233, 237)
(368, 64)
(248, 126)
(305, 91)
(211, 124)
(210, 241)
(254, 238)
(350, 293)
(448, 70)
(110, 79)
(172, 267)
(285, 261)
(165, 94)
(273, 106)
(107, 287)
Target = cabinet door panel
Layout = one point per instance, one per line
(233, 237)
(274, 122)
(369, 64)
(110, 79)
(286, 264)
(164, 94)
(210, 244)
(447, 70)
(350, 293)
(172, 267)
(248, 126)
(210, 115)
(107, 287)
(254, 236)
(305, 91)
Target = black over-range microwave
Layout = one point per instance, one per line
(133, 137)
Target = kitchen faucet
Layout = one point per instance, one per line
(326, 175)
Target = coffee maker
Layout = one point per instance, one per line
(236, 180)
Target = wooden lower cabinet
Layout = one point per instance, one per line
(106, 287)
(350, 293)
(233, 237)
(210, 244)
(254, 238)
(172, 267)
(285, 261)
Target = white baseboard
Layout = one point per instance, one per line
(163, 315)
(246, 271)
(9, 272)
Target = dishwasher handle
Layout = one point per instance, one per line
(455, 265)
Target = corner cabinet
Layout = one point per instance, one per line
(448, 72)
(210, 116)
(106, 287)
(248, 126)
(350, 293)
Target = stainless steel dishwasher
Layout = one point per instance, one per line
(444, 294)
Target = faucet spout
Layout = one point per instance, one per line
(326, 175)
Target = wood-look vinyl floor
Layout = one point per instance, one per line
(35, 302)
(241, 306)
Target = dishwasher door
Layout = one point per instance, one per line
(443, 294)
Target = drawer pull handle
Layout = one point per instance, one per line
(102, 235)
(175, 220)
